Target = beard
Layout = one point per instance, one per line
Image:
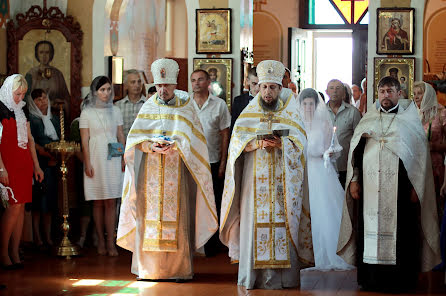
(269, 105)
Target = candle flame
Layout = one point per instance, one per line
(334, 129)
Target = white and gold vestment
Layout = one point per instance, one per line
(265, 218)
(168, 207)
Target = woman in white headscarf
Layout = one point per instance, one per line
(100, 124)
(17, 160)
(45, 129)
(433, 118)
(325, 191)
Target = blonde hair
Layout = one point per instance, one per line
(19, 82)
(419, 84)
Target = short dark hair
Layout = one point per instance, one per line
(37, 93)
(152, 89)
(309, 93)
(36, 49)
(202, 71)
(252, 71)
(389, 81)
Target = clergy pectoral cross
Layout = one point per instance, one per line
(270, 119)
(381, 143)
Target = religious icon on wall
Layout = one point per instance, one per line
(45, 63)
(220, 72)
(213, 30)
(402, 69)
(395, 31)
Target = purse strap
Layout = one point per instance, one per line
(103, 125)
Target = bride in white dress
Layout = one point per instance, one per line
(326, 193)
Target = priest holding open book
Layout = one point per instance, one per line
(265, 218)
(168, 207)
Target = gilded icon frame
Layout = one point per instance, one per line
(405, 68)
(213, 27)
(223, 75)
(388, 40)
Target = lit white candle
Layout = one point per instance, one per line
(333, 136)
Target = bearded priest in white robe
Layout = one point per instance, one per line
(265, 219)
(389, 226)
(168, 208)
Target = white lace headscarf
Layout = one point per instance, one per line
(50, 131)
(318, 123)
(6, 97)
(92, 100)
(429, 104)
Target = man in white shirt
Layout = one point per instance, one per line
(216, 120)
(356, 92)
(132, 103)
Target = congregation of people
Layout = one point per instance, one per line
(282, 181)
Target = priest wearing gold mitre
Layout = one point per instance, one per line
(168, 208)
(389, 225)
(265, 219)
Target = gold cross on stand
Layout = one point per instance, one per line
(270, 119)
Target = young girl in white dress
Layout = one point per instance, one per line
(100, 124)
(326, 193)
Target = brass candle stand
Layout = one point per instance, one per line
(64, 150)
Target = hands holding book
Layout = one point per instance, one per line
(270, 143)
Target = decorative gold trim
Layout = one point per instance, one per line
(157, 223)
(178, 198)
(255, 203)
(161, 164)
(177, 103)
(126, 235)
(281, 120)
(160, 245)
(170, 133)
(126, 190)
(198, 183)
(174, 117)
(270, 264)
(272, 231)
(232, 197)
(271, 224)
(245, 129)
(285, 205)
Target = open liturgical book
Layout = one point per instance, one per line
(163, 140)
(269, 134)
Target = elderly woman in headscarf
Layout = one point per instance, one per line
(18, 159)
(433, 118)
(101, 128)
(45, 129)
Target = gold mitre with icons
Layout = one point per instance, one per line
(165, 71)
(270, 71)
